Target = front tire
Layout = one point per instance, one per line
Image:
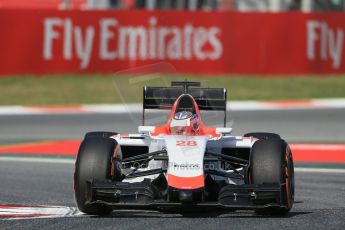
(271, 162)
(93, 162)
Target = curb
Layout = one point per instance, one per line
(302, 152)
(137, 108)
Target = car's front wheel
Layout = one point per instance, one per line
(94, 161)
(271, 162)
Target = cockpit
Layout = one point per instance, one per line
(185, 120)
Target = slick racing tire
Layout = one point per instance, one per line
(271, 162)
(263, 135)
(99, 134)
(94, 161)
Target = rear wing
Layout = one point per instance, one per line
(164, 97)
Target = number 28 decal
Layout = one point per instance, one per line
(186, 143)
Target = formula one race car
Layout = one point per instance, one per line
(184, 164)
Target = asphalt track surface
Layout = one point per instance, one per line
(319, 202)
(324, 125)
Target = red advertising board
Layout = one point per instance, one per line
(47, 42)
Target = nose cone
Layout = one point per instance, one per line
(186, 196)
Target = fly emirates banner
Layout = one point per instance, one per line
(49, 42)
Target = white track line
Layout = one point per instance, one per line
(137, 107)
(320, 170)
(72, 161)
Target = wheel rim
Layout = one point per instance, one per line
(289, 179)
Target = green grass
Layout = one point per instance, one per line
(92, 89)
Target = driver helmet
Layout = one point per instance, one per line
(185, 123)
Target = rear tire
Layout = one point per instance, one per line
(93, 162)
(99, 134)
(263, 136)
(271, 162)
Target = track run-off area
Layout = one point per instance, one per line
(37, 153)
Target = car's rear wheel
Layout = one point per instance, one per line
(101, 134)
(94, 161)
(263, 135)
(271, 162)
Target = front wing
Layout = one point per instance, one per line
(141, 196)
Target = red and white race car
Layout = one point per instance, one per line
(184, 164)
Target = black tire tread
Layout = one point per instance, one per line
(100, 134)
(263, 135)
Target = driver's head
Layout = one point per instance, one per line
(184, 123)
